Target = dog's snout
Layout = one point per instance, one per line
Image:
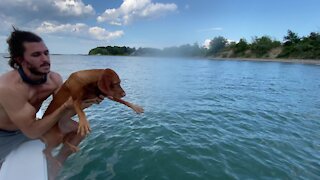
(123, 94)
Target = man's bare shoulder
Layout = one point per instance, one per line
(8, 79)
(56, 78)
(7, 75)
(8, 82)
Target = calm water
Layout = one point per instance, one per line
(203, 119)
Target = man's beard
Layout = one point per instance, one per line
(35, 70)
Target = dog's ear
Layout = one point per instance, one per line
(105, 82)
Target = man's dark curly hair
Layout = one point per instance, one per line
(16, 48)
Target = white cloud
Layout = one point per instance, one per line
(48, 27)
(131, 10)
(5, 23)
(206, 43)
(211, 29)
(102, 34)
(25, 11)
(79, 29)
(73, 7)
(229, 41)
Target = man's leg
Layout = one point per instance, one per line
(69, 128)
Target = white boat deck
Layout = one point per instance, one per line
(26, 162)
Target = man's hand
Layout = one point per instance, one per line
(89, 102)
(85, 103)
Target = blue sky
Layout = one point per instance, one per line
(76, 26)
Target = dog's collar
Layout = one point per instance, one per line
(27, 80)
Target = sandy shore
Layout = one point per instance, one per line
(300, 61)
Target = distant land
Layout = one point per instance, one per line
(292, 47)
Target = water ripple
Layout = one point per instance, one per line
(203, 120)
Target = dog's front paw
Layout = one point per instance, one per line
(83, 128)
(137, 109)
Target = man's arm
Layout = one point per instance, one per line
(22, 114)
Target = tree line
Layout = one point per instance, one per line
(292, 46)
(112, 50)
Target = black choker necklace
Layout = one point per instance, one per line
(30, 81)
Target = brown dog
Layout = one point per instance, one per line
(80, 86)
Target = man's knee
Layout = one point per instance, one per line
(68, 126)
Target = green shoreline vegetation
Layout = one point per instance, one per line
(293, 47)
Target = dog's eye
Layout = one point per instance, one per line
(114, 85)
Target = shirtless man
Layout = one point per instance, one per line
(23, 90)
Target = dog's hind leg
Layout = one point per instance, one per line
(48, 153)
(67, 139)
(69, 128)
(72, 139)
